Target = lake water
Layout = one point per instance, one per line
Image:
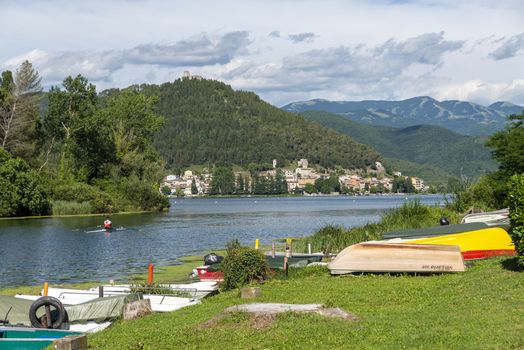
(61, 250)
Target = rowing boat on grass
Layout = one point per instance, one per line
(378, 256)
(25, 338)
(435, 231)
(473, 245)
(159, 302)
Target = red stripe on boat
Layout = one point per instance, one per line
(482, 254)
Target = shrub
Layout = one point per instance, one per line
(100, 202)
(242, 266)
(516, 214)
(144, 195)
(22, 189)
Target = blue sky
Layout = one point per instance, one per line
(284, 50)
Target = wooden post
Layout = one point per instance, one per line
(46, 288)
(309, 248)
(150, 274)
(273, 249)
(288, 254)
(100, 291)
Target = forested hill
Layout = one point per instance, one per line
(423, 144)
(207, 122)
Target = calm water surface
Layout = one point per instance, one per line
(62, 250)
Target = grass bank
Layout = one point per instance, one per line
(478, 309)
(76, 215)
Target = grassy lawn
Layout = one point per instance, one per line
(479, 309)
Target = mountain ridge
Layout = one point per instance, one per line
(425, 145)
(463, 117)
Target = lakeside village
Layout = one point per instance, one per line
(300, 180)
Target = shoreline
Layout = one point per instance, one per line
(77, 215)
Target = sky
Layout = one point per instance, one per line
(284, 50)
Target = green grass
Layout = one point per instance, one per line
(479, 309)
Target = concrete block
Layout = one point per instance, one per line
(137, 309)
(71, 342)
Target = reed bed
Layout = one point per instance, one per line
(60, 207)
(412, 214)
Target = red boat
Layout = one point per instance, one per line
(205, 275)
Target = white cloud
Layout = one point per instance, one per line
(302, 37)
(251, 45)
(199, 50)
(332, 67)
(483, 92)
(509, 48)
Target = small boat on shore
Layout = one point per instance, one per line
(435, 231)
(87, 317)
(159, 302)
(477, 244)
(380, 256)
(491, 217)
(26, 338)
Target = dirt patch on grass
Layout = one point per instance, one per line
(262, 321)
(255, 321)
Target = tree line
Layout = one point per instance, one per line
(81, 153)
(224, 182)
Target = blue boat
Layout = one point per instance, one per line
(26, 338)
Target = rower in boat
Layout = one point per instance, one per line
(108, 225)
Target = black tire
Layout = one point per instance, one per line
(58, 315)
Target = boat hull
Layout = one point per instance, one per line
(475, 244)
(22, 338)
(397, 257)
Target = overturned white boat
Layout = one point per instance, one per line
(159, 302)
(491, 218)
(91, 316)
(375, 256)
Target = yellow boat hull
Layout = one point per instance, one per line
(475, 244)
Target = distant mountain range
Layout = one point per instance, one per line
(463, 117)
(431, 152)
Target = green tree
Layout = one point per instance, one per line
(516, 213)
(223, 181)
(240, 186)
(73, 124)
(408, 186)
(134, 121)
(19, 103)
(23, 191)
(194, 189)
(310, 188)
(280, 182)
(508, 145)
(166, 191)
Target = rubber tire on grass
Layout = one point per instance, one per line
(43, 302)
